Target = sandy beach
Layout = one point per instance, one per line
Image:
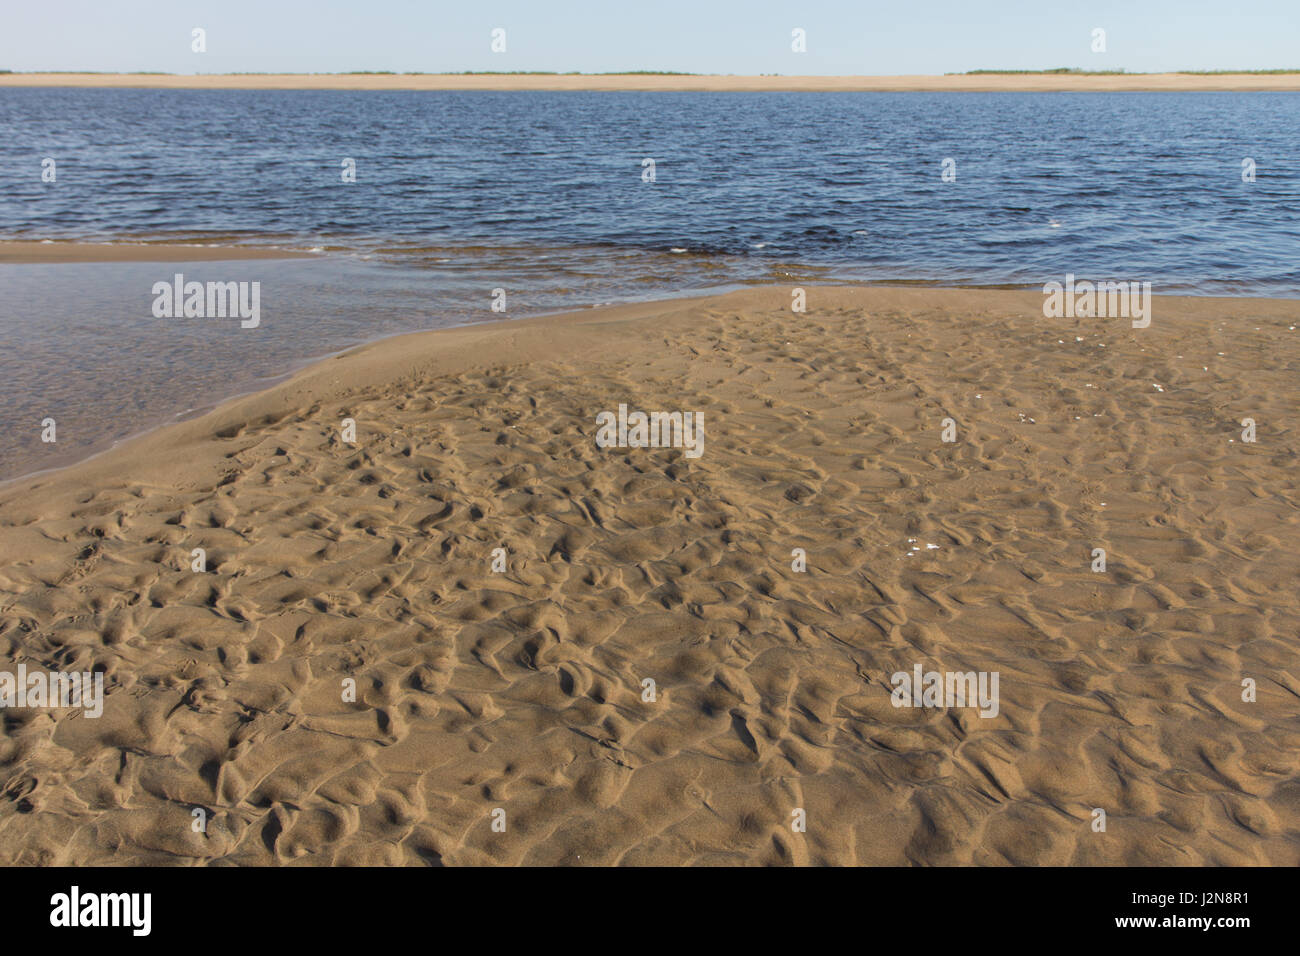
(518, 696)
(968, 83)
(55, 251)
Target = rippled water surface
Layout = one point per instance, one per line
(1143, 184)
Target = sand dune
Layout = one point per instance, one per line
(967, 83)
(522, 691)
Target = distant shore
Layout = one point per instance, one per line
(967, 82)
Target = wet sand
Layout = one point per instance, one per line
(27, 252)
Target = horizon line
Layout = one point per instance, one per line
(1054, 71)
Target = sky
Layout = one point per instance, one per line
(872, 37)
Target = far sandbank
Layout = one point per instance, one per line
(966, 83)
(26, 252)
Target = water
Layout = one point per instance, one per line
(542, 194)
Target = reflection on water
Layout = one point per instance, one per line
(79, 342)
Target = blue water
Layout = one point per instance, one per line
(542, 194)
(756, 185)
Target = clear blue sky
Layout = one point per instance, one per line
(697, 36)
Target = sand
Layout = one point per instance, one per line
(522, 691)
(27, 252)
(1007, 82)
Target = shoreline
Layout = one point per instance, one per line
(390, 350)
(70, 252)
(81, 251)
(982, 83)
(308, 368)
(35, 252)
